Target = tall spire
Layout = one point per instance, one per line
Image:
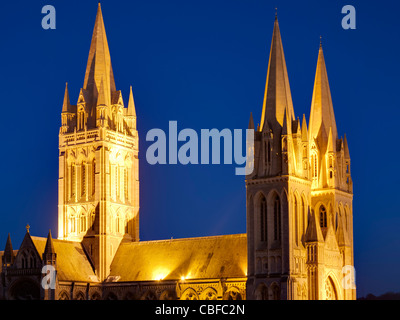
(66, 103)
(131, 104)
(99, 62)
(277, 96)
(322, 116)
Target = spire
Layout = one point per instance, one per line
(66, 103)
(49, 255)
(8, 256)
(99, 62)
(49, 248)
(251, 121)
(346, 148)
(131, 104)
(322, 116)
(304, 136)
(277, 96)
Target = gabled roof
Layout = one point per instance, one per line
(72, 263)
(193, 258)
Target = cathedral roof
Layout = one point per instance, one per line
(192, 258)
(72, 263)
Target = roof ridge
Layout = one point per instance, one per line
(238, 235)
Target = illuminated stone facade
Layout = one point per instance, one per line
(299, 196)
(299, 207)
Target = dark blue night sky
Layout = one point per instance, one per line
(204, 64)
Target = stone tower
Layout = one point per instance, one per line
(299, 196)
(98, 161)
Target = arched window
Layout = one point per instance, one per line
(126, 181)
(92, 218)
(73, 180)
(72, 223)
(83, 222)
(263, 220)
(304, 211)
(116, 181)
(277, 219)
(314, 166)
(83, 178)
(322, 217)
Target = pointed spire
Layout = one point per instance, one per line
(49, 255)
(49, 248)
(251, 121)
(322, 116)
(8, 256)
(131, 105)
(66, 103)
(277, 96)
(346, 148)
(304, 135)
(99, 62)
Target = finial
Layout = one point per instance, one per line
(320, 41)
(276, 13)
(27, 227)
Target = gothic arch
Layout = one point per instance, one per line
(95, 296)
(209, 294)
(168, 295)
(261, 293)
(330, 289)
(274, 206)
(275, 291)
(83, 220)
(63, 295)
(233, 293)
(80, 296)
(260, 204)
(331, 276)
(82, 156)
(189, 294)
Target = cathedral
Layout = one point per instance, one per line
(298, 206)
